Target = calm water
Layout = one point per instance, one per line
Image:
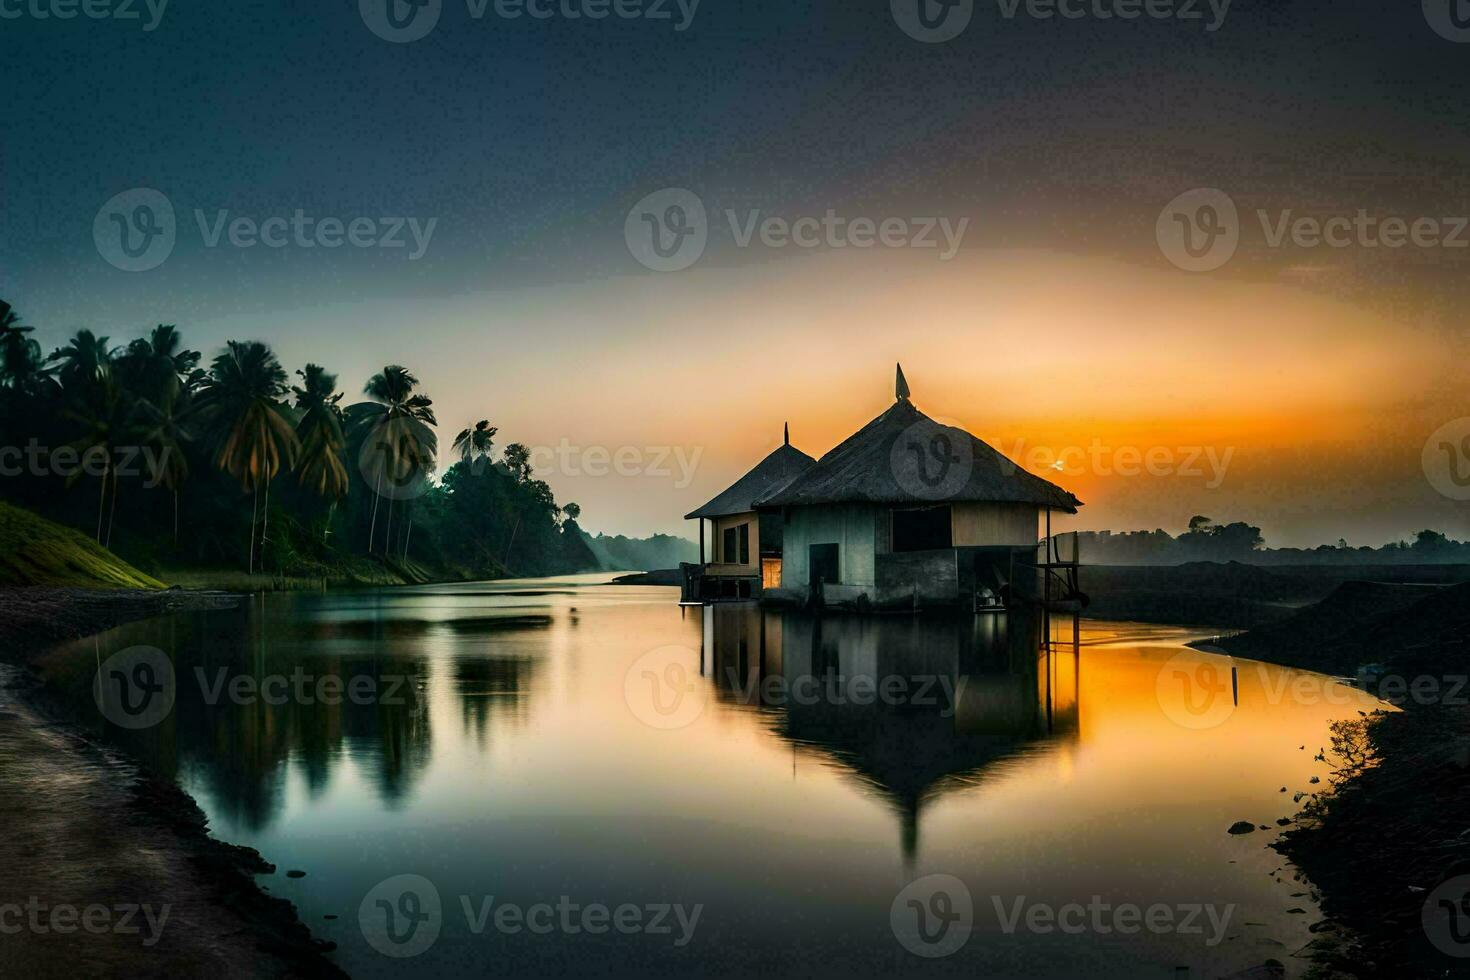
(535, 740)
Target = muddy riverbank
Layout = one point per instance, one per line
(110, 871)
(1389, 848)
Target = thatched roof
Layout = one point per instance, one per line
(903, 456)
(771, 473)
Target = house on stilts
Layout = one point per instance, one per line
(906, 513)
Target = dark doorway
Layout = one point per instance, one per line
(922, 530)
(823, 561)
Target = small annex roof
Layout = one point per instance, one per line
(772, 473)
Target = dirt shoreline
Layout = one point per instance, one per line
(1393, 834)
(111, 871)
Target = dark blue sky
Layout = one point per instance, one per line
(528, 139)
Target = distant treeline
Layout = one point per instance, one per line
(643, 554)
(176, 464)
(1238, 541)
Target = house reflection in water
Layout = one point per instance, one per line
(911, 706)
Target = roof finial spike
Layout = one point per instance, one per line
(900, 386)
(786, 438)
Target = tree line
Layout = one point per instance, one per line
(175, 463)
(1206, 540)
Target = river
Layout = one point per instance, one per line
(571, 778)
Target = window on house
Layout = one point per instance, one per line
(735, 545)
(922, 529)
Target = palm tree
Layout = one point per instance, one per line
(396, 426)
(158, 369)
(162, 428)
(85, 360)
(320, 430)
(473, 445)
(242, 416)
(22, 368)
(93, 401)
(517, 458)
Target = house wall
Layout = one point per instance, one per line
(980, 525)
(718, 564)
(854, 528)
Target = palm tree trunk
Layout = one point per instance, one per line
(407, 536)
(111, 510)
(101, 496)
(514, 528)
(176, 519)
(265, 520)
(388, 534)
(253, 492)
(377, 495)
(327, 528)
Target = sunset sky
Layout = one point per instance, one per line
(1315, 374)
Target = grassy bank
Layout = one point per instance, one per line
(37, 552)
